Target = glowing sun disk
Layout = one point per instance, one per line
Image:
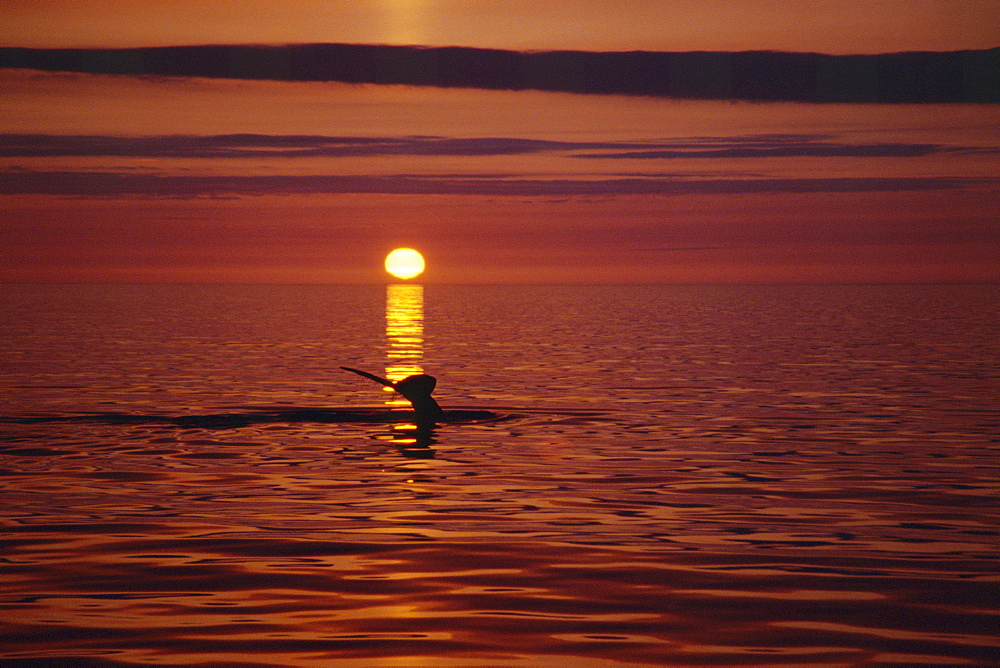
(404, 263)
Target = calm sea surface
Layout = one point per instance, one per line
(628, 475)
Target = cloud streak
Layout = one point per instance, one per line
(311, 146)
(911, 77)
(281, 146)
(126, 184)
(141, 181)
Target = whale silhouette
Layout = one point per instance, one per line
(417, 389)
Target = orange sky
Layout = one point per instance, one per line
(122, 178)
(827, 26)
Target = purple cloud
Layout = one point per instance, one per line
(302, 146)
(119, 184)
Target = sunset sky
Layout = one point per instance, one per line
(143, 177)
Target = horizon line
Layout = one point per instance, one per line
(509, 284)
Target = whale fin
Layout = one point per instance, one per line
(377, 379)
(417, 389)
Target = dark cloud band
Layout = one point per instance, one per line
(912, 77)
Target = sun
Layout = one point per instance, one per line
(404, 263)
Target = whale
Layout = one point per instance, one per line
(416, 389)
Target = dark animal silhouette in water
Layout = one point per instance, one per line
(417, 389)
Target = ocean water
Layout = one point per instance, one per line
(625, 476)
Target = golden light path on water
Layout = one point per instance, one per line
(404, 335)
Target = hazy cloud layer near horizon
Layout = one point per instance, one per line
(311, 146)
(118, 184)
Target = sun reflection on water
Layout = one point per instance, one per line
(404, 335)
